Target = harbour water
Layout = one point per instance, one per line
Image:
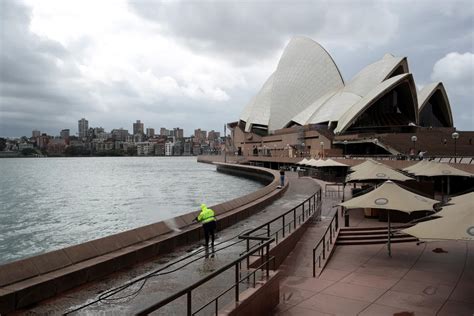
(51, 203)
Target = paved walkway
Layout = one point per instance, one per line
(363, 280)
(159, 287)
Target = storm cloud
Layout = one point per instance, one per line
(195, 64)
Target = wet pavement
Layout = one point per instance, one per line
(165, 279)
(432, 278)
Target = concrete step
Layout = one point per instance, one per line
(400, 226)
(374, 241)
(372, 237)
(367, 232)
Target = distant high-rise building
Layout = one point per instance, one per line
(178, 132)
(138, 128)
(213, 135)
(164, 132)
(83, 127)
(64, 133)
(150, 132)
(120, 134)
(35, 134)
(199, 136)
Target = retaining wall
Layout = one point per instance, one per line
(33, 279)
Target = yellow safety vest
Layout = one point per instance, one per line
(206, 215)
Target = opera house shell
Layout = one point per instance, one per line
(307, 88)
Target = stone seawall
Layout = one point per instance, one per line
(33, 279)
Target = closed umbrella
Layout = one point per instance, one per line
(390, 196)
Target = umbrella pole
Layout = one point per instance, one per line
(448, 188)
(388, 243)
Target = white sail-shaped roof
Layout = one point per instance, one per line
(428, 91)
(366, 80)
(259, 112)
(349, 117)
(305, 73)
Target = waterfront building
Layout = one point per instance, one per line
(306, 105)
(177, 132)
(145, 148)
(188, 148)
(83, 127)
(138, 128)
(200, 136)
(22, 146)
(169, 148)
(120, 134)
(150, 132)
(160, 149)
(213, 135)
(164, 132)
(64, 134)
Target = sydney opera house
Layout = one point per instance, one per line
(306, 105)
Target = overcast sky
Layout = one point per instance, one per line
(195, 64)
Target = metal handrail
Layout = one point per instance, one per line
(312, 207)
(188, 290)
(332, 233)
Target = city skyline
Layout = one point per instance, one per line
(156, 60)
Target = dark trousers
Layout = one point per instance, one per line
(209, 229)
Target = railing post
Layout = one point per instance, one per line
(267, 258)
(283, 220)
(324, 247)
(330, 233)
(268, 230)
(236, 283)
(314, 263)
(302, 212)
(248, 257)
(189, 299)
(309, 206)
(294, 218)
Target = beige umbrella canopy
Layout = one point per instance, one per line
(376, 171)
(465, 198)
(303, 162)
(390, 196)
(331, 163)
(416, 166)
(457, 223)
(366, 164)
(313, 162)
(433, 169)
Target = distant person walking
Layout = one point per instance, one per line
(208, 220)
(282, 177)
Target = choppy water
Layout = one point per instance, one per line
(51, 203)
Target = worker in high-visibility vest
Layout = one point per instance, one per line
(208, 220)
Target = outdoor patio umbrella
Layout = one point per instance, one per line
(331, 163)
(366, 164)
(416, 166)
(303, 162)
(437, 169)
(376, 171)
(313, 162)
(465, 198)
(390, 196)
(456, 223)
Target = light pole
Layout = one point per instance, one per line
(414, 139)
(345, 147)
(322, 149)
(302, 151)
(376, 142)
(455, 137)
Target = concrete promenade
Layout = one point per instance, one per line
(159, 287)
(363, 280)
